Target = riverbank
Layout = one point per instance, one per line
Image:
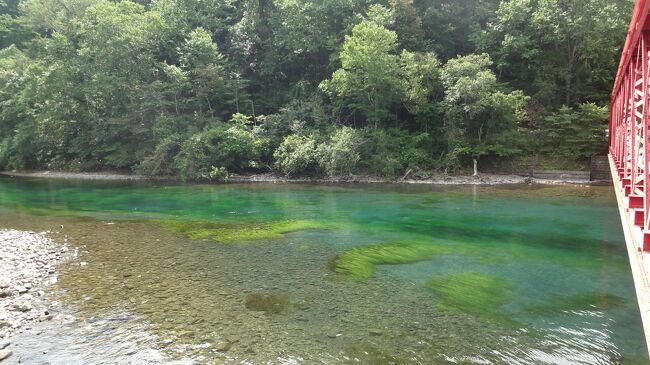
(482, 179)
(28, 263)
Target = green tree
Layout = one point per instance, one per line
(480, 118)
(551, 49)
(450, 26)
(368, 79)
(577, 133)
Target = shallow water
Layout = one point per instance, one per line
(521, 275)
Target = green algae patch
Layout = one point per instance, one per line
(475, 293)
(359, 263)
(577, 302)
(274, 303)
(236, 232)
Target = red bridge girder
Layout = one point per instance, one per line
(629, 143)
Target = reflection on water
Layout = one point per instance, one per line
(519, 275)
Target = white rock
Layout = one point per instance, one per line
(5, 354)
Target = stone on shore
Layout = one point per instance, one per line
(5, 354)
(27, 259)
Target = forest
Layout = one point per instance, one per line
(203, 89)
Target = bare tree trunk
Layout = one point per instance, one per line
(475, 161)
(253, 109)
(572, 50)
(210, 107)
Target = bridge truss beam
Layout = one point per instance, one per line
(629, 151)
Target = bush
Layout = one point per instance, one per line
(393, 151)
(341, 153)
(295, 155)
(233, 148)
(161, 161)
(577, 133)
(300, 117)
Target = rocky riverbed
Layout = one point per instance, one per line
(28, 263)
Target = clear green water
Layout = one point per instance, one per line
(529, 275)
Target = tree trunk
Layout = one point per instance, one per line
(210, 107)
(572, 51)
(475, 161)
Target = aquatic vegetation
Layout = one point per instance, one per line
(274, 303)
(359, 263)
(576, 302)
(475, 293)
(235, 232)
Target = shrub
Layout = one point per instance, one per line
(577, 133)
(393, 151)
(161, 160)
(341, 153)
(233, 148)
(295, 155)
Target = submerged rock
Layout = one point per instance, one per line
(222, 346)
(269, 303)
(333, 334)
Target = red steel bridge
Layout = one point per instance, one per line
(629, 151)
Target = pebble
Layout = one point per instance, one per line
(21, 307)
(333, 334)
(375, 332)
(28, 258)
(4, 345)
(222, 346)
(5, 354)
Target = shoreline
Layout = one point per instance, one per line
(562, 178)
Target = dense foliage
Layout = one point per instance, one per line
(204, 88)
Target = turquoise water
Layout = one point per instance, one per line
(530, 275)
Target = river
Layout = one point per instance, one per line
(340, 274)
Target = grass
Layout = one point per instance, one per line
(359, 263)
(237, 232)
(475, 293)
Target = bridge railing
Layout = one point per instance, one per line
(629, 142)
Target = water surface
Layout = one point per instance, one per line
(520, 275)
